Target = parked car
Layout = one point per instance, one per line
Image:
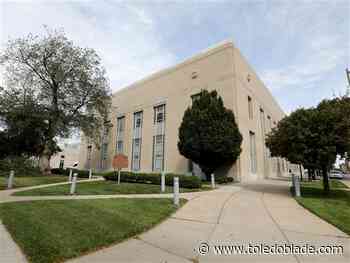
(336, 174)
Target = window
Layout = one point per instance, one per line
(262, 122)
(105, 132)
(120, 124)
(158, 152)
(61, 164)
(136, 154)
(159, 114)
(136, 142)
(89, 150)
(253, 164)
(158, 138)
(120, 147)
(250, 108)
(120, 134)
(269, 123)
(104, 151)
(138, 119)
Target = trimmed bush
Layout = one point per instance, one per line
(154, 178)
(81, 173)
(224, 180)
(22, 167)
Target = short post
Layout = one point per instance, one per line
(119, 176)
(90, 174)
(212, 181)
(162, 182)
(70, 175)
(176, 191)
(293, 181)
(10, 179)
(73, 184)
(297, 186)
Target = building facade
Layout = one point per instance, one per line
(146, 117)
(67, 158)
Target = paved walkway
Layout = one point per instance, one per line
(259, 212)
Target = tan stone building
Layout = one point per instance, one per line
(147, 114)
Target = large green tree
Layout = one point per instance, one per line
(22, 130)
(208, 134)
(68, 84)
(313, 137)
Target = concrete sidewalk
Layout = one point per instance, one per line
(259, 212)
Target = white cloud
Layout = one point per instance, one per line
(320, 57)
(129, 47)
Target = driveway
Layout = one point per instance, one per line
(259, 212)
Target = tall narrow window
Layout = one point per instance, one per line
(263, 134)
(104, 151)
(262, 123)
(136, 142)
(104, 147)
(120, 135)
(269, 123)
(158, 138)
(89, 150)
(253, 163)
(250, 108)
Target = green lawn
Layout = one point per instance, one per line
(332, 183)
(53, 231)
(102, 188)
(33, 180)
(334, 208)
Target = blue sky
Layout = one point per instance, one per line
(300, 49)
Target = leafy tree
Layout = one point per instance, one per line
(23, 128)
(67, 83)
(208, 134)
(292, 128)
(333, 126)
(313, 137)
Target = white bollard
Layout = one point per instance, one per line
(162, 182)
(212, 181)
(118, 176)
(176, 191)
(297, 186)
(10, 179)
(73, 184)
(90, 174)
(70, 175)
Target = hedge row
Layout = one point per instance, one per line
(223, 180)
(185, 181)
(81, 173)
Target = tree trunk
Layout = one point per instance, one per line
(44, 161)
(313, 174)
(301, 173)
(325, 180)
(309, 174)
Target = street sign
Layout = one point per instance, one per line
(120, 161)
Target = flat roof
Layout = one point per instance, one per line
(204, 53)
